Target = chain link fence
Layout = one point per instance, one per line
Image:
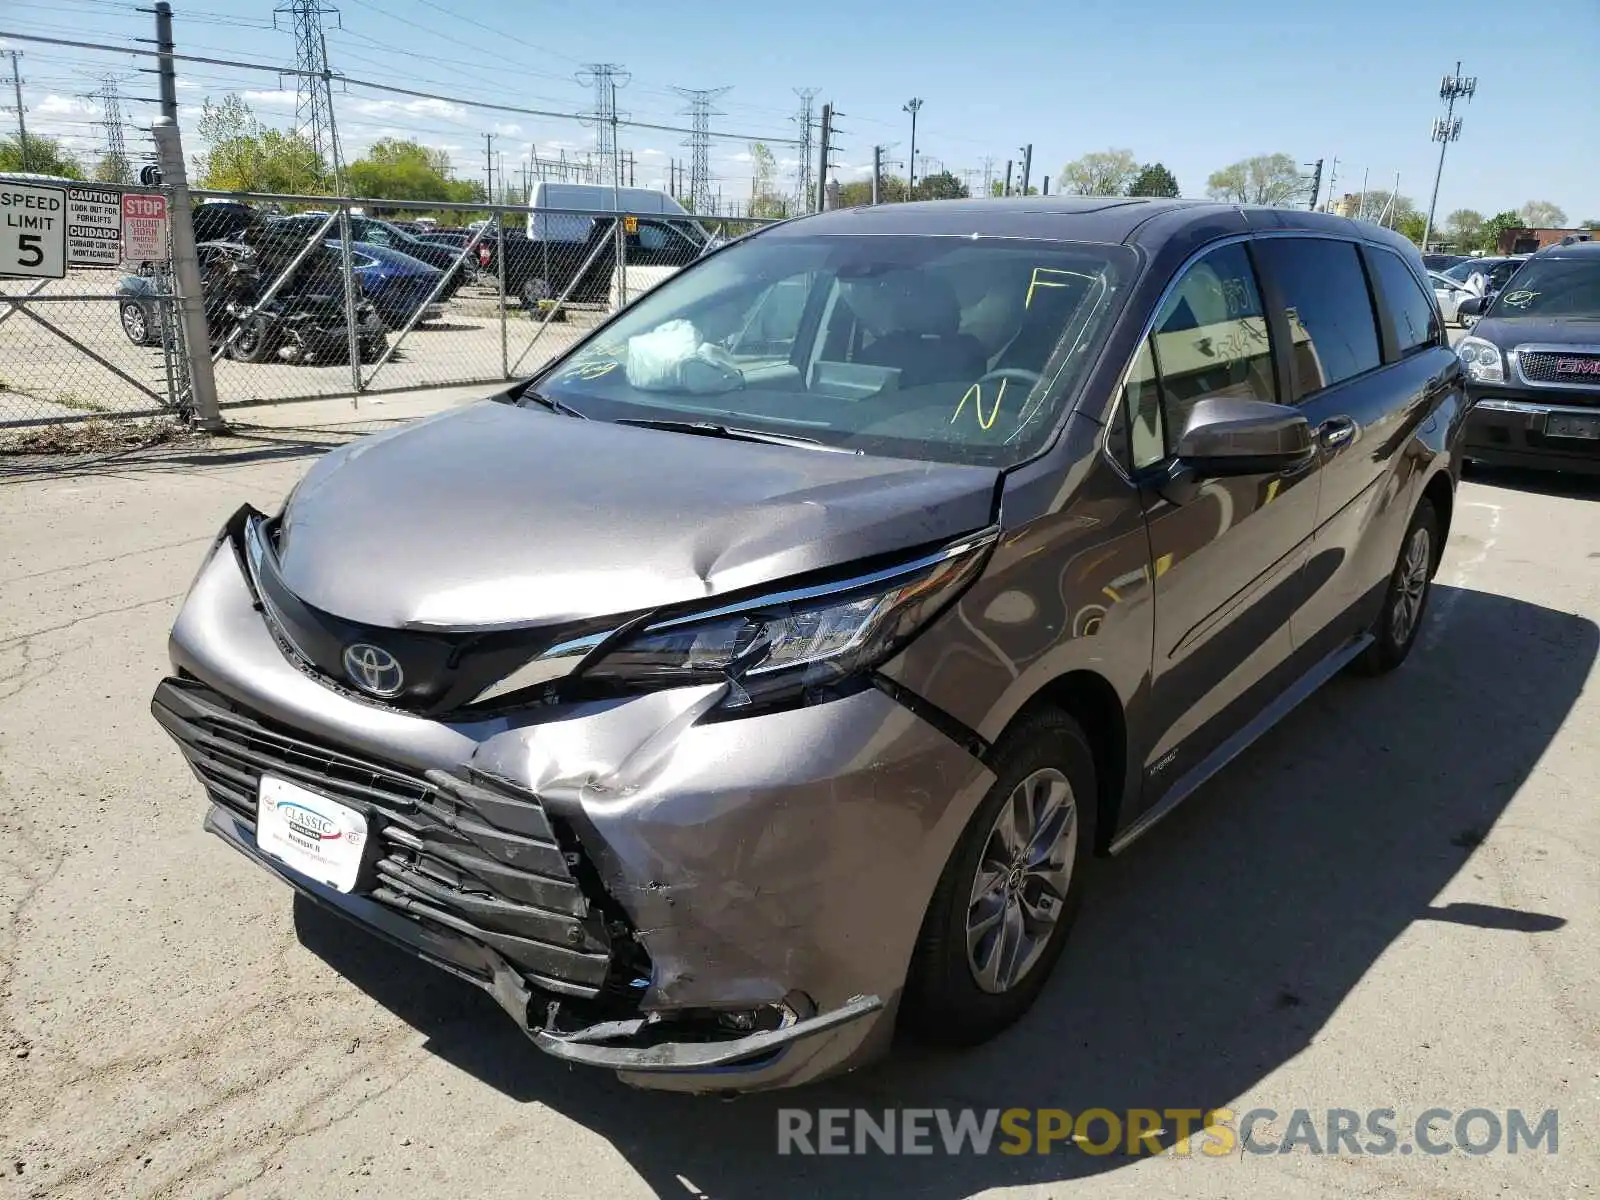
(311, 298)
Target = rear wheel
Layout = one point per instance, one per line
(136, 324)
(1000, 915)
(1407, 598)
(253, 344)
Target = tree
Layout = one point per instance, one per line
(113, 168)
(764, 198)
(941, 185)
(1101, 173)
(1489, 235)
(1465, 225)
(1154, 180)
(1541, 214)
(1264, 179)
(1387, 208)
(1412, 226)
(891, 190)
(394, 169)
(244, 155)
(45, 157)
(1591, 223)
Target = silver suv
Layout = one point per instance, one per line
(763, 673)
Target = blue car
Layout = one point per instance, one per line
(396, 283)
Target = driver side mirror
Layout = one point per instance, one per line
(1471, 306)
(1224, 437)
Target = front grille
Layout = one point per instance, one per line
(475, 857)
(1540, 366)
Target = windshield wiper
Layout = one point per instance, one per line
(554, 405)
(732, 433)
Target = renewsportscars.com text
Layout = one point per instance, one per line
(1208, 1133)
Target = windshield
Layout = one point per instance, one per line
(1552, 287)
(955, 349)
(1461, 270)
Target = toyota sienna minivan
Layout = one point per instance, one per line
(761, 676)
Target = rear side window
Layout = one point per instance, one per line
(1332, 329)
(1416, 321)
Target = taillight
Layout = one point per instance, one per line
(483, 256)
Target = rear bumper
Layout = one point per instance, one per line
(1511, 431)
(771, 872)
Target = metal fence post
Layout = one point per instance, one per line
(186, 270)
(350, 291)
(500, 261)
(622, 261)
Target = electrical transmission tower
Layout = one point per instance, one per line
(313, 107)
(807, 119)
(114, 154)
(699, 142)
(605, 78)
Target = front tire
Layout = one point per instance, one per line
(136, 323)
(1406, 600)
(1002, 910)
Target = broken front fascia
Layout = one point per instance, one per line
(785, 852)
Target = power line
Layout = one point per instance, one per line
(391, 89)
(605, 78)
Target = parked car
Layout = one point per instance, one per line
(1438, 262)
(381, 233)
(1533, 365)
(1449, 294)
(396, 283)
(765, 671)
(140, 293)
(223, 220)
(1480, 276)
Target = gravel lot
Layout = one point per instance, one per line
(1389, 902)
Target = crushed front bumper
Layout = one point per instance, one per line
(700, 906)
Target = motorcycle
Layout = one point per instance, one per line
(302, 323)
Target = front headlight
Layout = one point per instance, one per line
(1482, 360)
(801, 642)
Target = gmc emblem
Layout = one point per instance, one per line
(1578, 366)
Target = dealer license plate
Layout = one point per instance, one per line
(1580, 425)
(318, 837)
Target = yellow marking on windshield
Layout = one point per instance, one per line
(1272, 492)
(975, 394)
(1163, 564)
(1037, 281)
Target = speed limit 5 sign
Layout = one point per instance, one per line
(33, 230)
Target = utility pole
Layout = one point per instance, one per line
(1316, 185)
(488, 167)
(988, 176)
(1027, 166)
(912, 106)
(1046, 185)
(877, 171)
(1361, 208)
(1445, 131)
(22, 124)
(1333, 178)
(1008, 177)
(822, 157)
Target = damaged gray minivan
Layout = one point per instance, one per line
(761, 676)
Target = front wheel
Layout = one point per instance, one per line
(1000, 915)
(136, 323)
(1407, 598)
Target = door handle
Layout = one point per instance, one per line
(1336, 431)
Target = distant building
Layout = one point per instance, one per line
(1526, 241)
(1347, 205)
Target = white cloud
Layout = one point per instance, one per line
(65, 106)
(410, 108)
(508, 130)
(183, 85)
(652, 154)
(274, 99)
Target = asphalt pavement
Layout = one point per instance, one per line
(1389, 902)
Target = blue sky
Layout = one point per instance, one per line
(1195, 87)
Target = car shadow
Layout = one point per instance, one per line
(1207, 956)
(1563, 485)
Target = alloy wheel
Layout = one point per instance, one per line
(134, 324)
(1411, 585)
(1020, 888)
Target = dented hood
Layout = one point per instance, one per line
(494, 515)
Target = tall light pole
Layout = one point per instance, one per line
(912, 106)
(1446, 130)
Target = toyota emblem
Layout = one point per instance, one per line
(374, 670)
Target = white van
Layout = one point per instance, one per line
(656, 248)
